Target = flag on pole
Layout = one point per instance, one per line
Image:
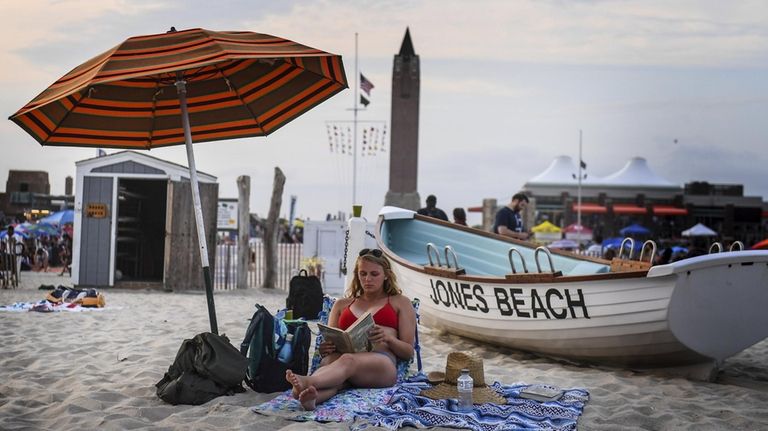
(365, 85)
(364, 101)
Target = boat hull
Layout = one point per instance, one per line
(591, 321)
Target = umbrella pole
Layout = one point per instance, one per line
(181, 87)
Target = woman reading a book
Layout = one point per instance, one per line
(373, 288)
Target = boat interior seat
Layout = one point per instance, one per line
(623, 265)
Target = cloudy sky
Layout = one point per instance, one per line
(506, 87)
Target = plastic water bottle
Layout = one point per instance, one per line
(286, 351)
(464, 385)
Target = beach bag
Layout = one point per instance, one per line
(206, 366)
(265, 373)
(305, 296)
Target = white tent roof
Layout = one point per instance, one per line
(699, 230)
(636, 173)
(562, 170)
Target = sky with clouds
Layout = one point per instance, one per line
(505, 88)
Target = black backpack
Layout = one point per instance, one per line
(305, 296)
(265, 373)
(206, 367)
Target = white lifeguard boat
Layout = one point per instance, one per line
(698, 310)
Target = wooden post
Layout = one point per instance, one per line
(270, 236)
(243, 229)
(489, 213)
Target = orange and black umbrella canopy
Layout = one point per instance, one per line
(239, 84)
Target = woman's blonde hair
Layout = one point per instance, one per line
(391, 288)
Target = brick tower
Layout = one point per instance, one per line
(404, 141)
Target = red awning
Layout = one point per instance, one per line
(590, 208)
(765, 214)
(475, 209)
(628, 209)
(665, 210)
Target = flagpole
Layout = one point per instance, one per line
(354, 148)
(578, 213)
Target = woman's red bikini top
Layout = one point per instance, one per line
(386, 316)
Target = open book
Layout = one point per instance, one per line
(353, 339)
(541, 393)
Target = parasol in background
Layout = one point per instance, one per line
(699, 229)
(59, 218)
(181, 87)
(634, 229)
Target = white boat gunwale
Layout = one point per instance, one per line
(495, 279)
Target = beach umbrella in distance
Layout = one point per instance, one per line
(59, 218)
(699, 230)
(634, 229)
(182, 87)
(42, 228)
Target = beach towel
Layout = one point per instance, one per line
(407, 408)
(341, 408)
(45, 306)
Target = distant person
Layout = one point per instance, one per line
(610, 253)
(65, 254)
(431, 210)
(665, 257)
(459, 216)
(509, 220)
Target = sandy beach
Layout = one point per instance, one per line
(97, 370)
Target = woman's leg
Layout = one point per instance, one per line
(369, 370)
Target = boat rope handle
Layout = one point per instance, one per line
(549, 256)
(430, 248)
(511, 251)
(653, 251)
(450, 249)
(716, 245)
(631, 247)
(736, 243)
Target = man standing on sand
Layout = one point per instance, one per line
(432, 210)
(509, 221)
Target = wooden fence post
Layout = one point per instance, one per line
(270, 236)
(243, 229)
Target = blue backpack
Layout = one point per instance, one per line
(265, 373)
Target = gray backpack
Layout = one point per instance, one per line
(206, 366)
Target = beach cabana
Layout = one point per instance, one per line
(546, 232)
(699, 230)
(578, 232)
(134, 223)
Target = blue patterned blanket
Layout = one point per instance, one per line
(401, 406)
(341, 408)
(407, 408)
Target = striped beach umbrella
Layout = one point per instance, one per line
(239, 84)
(181, 87)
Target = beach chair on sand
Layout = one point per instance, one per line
(403, 367)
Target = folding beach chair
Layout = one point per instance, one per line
(403, 367)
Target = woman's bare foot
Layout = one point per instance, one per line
(308, 397)
(296, 381)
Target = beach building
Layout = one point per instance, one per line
(637, 194)
(27, 196)
(134, 224)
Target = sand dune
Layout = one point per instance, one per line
(97, 370)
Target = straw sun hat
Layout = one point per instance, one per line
(481, 393)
